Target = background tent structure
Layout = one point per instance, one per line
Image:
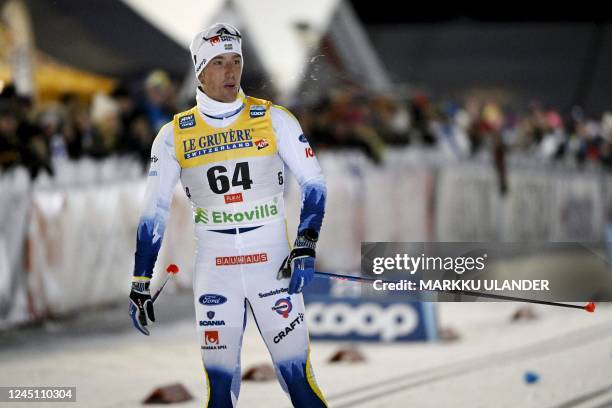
(104, 37)
(126, 39)
(34, 73)
(52, 80)
(288, 47)
(302, 49)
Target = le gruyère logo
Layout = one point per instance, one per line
(217, 142)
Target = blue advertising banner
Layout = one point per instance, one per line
(341, 310)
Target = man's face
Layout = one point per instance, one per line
(221, 77)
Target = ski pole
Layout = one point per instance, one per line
(172, 270)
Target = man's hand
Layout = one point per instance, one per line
(141, 306)
(300, 264)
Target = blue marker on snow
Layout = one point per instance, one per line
(531, 377)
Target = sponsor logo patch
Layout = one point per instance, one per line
(211, 299)
(195, 62)
(217, 142)
(287, 330)
(233, 198)
(241, 259)
(211, 337)
(187, 121)
(154, 159)
(152, 173)
(211, 341)
(212, 323)
(257, 111)
(303, 139)
(309, 152)
(223, 35)
(257, 213)
(261, 144)
(273, 292)
(210, 315)
(283, 307)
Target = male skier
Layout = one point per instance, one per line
(229, 151)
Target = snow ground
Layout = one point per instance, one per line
(114, 366)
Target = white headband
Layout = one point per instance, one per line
(219, 39)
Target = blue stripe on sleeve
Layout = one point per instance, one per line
(313, 206)
(148, 242)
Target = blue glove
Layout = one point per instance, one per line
(141, 306)
(303, 272)
(300, 264)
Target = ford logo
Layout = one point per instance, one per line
(210, 299)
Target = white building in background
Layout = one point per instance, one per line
(285, 36)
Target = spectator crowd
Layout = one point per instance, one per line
(123, 123)
(126, 121)
(351, 118)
